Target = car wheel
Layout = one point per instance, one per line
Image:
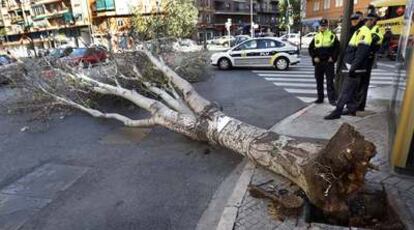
(224, 64)
(282, 63)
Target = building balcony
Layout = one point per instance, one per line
(105, 5)
(267, 10)
(52, 14)
(42, 2)
(18, 19)
(105, 14)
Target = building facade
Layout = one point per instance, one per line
(329, 9)
(265, 14)
(44, 23)
(51, 23)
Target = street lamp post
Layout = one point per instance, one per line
(289, 9)
(251, 19)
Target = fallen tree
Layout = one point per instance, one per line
(328, 175)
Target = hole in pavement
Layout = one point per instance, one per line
(368, 209)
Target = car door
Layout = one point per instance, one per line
(271, 49)
(245, 54)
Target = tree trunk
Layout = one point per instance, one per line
(327, 174)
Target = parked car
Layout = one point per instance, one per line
(293, 38)
(258, 52)
(186, 45)
(58, 53)
(223, 41)
(85, 56)
(307, 38)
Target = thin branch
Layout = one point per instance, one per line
(196, 102)
(150, 122)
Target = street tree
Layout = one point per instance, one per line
(328, 174)
(174, 18)
(294, 14)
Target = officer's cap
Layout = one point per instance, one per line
(323, 22)
(371, 16)
(355, 16)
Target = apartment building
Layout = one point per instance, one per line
(112, 16)
(44, 23)
(329, 9)
(264, 14)
(51, 23)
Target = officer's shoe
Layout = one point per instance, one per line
(348, 113)
(333, 103)
(318, 101)
(333, 116)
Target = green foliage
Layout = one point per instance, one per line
(177, 18)
(3, 32)
(283, 8)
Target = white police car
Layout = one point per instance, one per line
(258, 52)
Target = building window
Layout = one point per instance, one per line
(38, 10)
(326, 4)
(339, 3)
(316, 6)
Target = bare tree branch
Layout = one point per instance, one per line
(196, 102)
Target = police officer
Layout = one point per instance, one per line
(357, 21)
(324, 51)
(356, 64)
(377, 38)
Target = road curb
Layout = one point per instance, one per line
(229, 215)
(292, 117)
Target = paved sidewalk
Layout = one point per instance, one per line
(308, 123)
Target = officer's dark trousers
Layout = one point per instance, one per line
(348, 94)
(321, 69)
(363, 87)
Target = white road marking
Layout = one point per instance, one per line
(307, 99)
(304, 85)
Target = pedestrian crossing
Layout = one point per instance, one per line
(299, 80)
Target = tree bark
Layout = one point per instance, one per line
(329, 174)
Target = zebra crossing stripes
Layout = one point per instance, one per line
(300, 80)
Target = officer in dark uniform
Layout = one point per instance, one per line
(355, 66)
(377, 38)
(324, 50)
(357, 21)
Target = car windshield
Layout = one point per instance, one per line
(78, 52)
(56, 52)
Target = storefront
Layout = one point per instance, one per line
(402, 105)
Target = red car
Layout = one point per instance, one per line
(85, 56)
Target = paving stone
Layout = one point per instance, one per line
(392, 180)
(16, 210)
(45, 181)
(405, 185)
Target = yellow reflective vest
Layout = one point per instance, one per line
(362, 36)
(324, 39)
(376, 32)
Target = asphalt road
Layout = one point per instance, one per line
(111, 178)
